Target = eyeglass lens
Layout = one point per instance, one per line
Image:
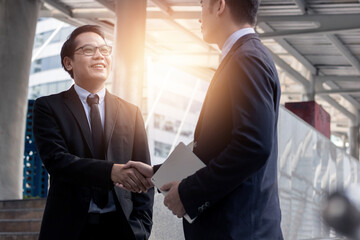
(90, 50)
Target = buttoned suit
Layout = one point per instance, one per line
(63, 139)
(236, 195)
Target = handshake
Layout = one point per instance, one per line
(133, 176)
(136, 177)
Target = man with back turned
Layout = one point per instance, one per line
(236, 195)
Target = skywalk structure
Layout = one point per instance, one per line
(315, 44)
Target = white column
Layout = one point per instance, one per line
(129, 50)
(18, 20)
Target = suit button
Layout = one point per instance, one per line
(201, 209)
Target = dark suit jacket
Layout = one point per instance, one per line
(236, 195)
(63, 139)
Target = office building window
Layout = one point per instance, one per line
(41, 38)
(49, 88)
(46, 63)
(167, 124)
(62, 35)
(162, 149)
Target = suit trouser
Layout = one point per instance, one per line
(106, 226)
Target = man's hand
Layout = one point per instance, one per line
(172, 199)
(145, 169)
(142, 171)
(129, 178)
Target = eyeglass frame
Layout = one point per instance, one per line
(95, 49)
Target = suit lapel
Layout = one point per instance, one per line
(111, 114)
(73, 102)
(223, 63)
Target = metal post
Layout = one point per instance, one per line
(129, 50)
(18, 20)
(354, 138)
(310, 91)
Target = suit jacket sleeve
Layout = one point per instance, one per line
(141, 216)
(251, 85)
(55, 154)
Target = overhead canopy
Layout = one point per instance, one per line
(316, 44)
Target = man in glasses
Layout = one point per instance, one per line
(85, 135)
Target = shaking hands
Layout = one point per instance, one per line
(132, 176)
(135, 177)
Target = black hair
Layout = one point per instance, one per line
(243, 11)
(68, 47)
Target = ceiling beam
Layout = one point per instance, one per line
(164, 6)
(302, 80)
(301, 5)
(296, 75)
(60, 7)
(290, 49)
(349, 98)
(167, 14)
(93, 13)
(107, 5)
(339, 107)
(338, 91)
(47, 13)
(107, 13)
(195, 15)
(327, 24)
(338, 78)
(61, 12)
(344, 51)
(326, 19)
(281, 63)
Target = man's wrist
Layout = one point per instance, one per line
(115, 171)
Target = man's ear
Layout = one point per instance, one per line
(67, 63)
(221, 7)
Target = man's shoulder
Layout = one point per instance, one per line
(248, 44)
(52, 98)
(251, 48)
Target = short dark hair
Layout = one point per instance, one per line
(68, 47)
(243, 11)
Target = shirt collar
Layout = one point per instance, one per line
(83, 94)
(233, 38)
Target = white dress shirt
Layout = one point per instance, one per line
(83, 94)
(232, 40)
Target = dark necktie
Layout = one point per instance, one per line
(100, 197)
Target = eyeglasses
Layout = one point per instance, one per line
(89, 50)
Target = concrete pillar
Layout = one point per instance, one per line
(129, 50)
(18, 20)
(354, 139)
